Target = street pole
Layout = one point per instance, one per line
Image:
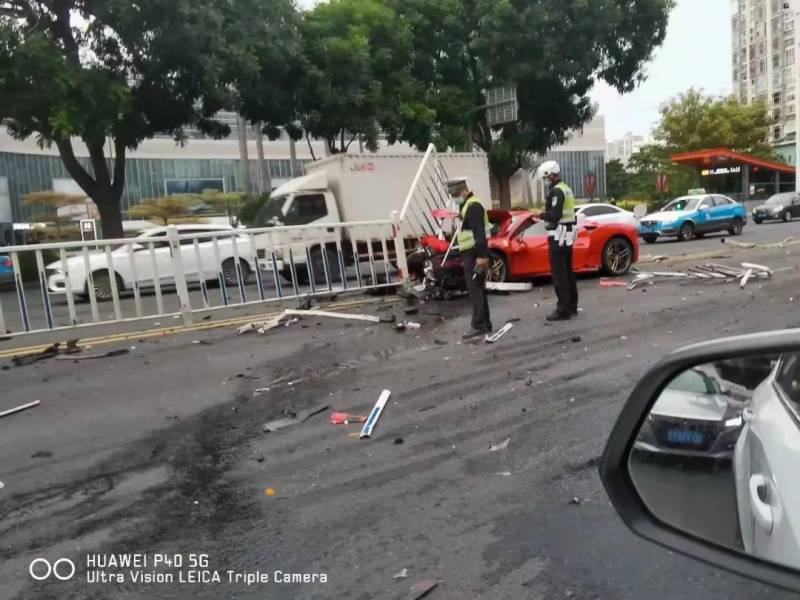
(244, 159)
(796, 75)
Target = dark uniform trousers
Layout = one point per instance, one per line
(476, 288)
(563, 275)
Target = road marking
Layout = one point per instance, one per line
(178, 329)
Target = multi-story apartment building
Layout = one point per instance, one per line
(763, 59)
(623, 148)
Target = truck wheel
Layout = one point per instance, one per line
(736, 227)
(229, 272)
(498, 267)
(650, 239)
(687, 232)
(318, 267)
(617, 256)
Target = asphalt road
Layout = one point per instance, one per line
(162, 451)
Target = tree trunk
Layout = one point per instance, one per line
(108, 205)
(504, 192)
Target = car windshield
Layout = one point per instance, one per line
(681, 204)
(693, 381)
(779, 199)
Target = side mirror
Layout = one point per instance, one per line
(703, 458)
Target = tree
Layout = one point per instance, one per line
(229, 202)
(653, 160)
(696, 121)
(53, 201)
(552, 51)
(115, 73)
(166, 209)
(617, 178)
(356, 72)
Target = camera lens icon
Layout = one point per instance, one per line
(63, 569)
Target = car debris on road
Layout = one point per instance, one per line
(292, 419)
(706, 272)
(20, 408)
(377, 411)
(341, 418)
(422, 589)
(498, 286)
(109, 354)
(495, 337)
(501, 446)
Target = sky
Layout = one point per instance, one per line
(695, 53)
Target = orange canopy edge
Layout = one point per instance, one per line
(705, 158)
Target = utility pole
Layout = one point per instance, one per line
(244, 160)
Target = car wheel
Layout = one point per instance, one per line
(758, 221)
(229, 272)
(736, 227)
(787, 216)
(617, 256)
(102, 286)
(687, 232)
(650, 239)
(498, 267)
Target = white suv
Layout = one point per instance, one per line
(145, 264)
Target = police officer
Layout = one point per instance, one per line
(474, 250)
(561, 224)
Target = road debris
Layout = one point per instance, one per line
(705, 272)
(337, 315)
(17, 409)
(750, 245)
(398, 441)
(109, 354)
(372, 420)
(411, 311)
(575, 501)
(422, 589)
(2, 485)
(501, 446)
(292, 419)
(47, 353)
(402, 574)
(497, 286)
(495, 337)
(612, 283)
(270, 492)
(404, 325)
(341, 418)
(42, 454)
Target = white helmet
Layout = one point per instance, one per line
(548, 168)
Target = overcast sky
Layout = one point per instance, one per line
(696, 53)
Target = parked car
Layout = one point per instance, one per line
(692, 417)
(694, 216)
(518, 248)
(783, 207)
(6, 270)
(765, 467)
(142, 261)
(605, 213)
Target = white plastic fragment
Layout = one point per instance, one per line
(372, 420)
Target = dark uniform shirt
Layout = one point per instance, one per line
(554, 208)
(474, 222)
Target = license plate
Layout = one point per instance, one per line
(685, 437)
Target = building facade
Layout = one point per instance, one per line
(764, 59)
(623, 148)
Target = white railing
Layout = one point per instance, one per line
(428, 193)
(168, 272)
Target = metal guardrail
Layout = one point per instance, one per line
(168, 273)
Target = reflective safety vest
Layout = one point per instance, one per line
(466, 239)
(568, 212)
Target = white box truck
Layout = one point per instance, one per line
(351, 188)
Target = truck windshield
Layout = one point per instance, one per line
(271, 212)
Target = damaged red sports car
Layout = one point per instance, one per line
(518, 247)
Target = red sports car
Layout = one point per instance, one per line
(518, 247)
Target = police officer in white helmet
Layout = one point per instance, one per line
(562, 229)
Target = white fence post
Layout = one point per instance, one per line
(400, 247)
(179, 274)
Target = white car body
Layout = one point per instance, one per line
(604, 213)
(145, 263)
(765, 465)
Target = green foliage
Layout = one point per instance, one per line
(644, 168)
(617, 178)
(230, 203)
(165, 210)
(251, 207)
(696, 121)
(552, 51)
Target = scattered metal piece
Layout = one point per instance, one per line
(42, 454)
(402, 574)
(340, 418)
(398, 441)
(47, 353)
(612, 283)
(404, 325)
(333, 315)
(575, 501)
(497, 286)
(293, 419)
(745, 278)
(17, 409)
(109, 354)
(756, 267)
(495, 337)
(501, 446)
(372, 420)
(422, 589)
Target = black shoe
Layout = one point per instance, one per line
(573, 311)
(473, 335)
(558, 316)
